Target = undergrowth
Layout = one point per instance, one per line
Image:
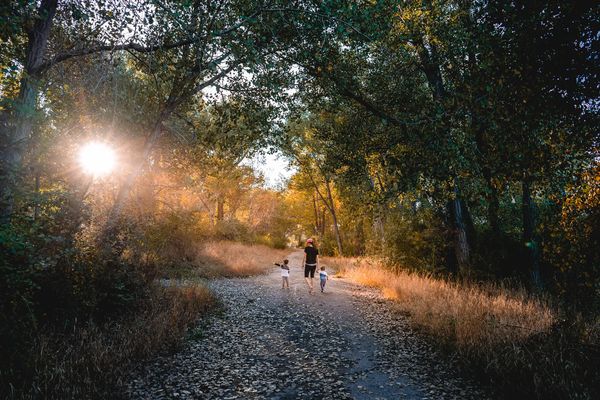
(91, 360)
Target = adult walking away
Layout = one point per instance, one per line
(311, 262)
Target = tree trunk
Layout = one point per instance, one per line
(17, 134)
(36, 200)
(431, 68)
(336, 228)
(359, 238)
(461, 243)
(317, 225)
(493, 210)
(323, 222)
(379, 224)
(493, 203)
(220, 207)
(529, 237)
(331, 207)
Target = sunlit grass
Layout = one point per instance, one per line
(224, 258)
(514, 341)
(240, 259)
(472, 316)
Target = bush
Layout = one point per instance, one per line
(572, 245)
(499, 256)
(18, 322)
(72, 321)
(415, 240)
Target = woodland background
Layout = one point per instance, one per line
(457, 139)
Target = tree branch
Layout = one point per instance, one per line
(98, 49)
(135, 46)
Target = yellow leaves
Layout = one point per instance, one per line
(408, 18)
(309, 133)
(340, 119)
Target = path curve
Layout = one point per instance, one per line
(270, 343)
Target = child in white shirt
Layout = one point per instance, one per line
(285, 273)
(323, 277)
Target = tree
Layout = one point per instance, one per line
(305, 149)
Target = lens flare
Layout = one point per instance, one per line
(97, 159)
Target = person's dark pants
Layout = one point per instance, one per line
(309, 270)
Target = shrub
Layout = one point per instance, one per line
(71, 321)
(415, 240)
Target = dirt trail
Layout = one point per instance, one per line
(271, 343)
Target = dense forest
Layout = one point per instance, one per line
(457, 139)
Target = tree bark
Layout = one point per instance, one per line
(36, 204)
(220, 208)
(379, 225)
(493, 203)
(17, 134)
(336, 227)
(461, 243)
(529, 237)
(317, 225)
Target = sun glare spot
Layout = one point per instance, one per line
(97, 159)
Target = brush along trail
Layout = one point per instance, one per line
(273, 343)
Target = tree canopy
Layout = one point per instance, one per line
(453, 137)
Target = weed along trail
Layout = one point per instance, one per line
(272, 343)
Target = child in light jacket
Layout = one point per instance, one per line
(285, 273)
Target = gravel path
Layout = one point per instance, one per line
(270, 343)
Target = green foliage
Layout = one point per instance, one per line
(571, 246)
(395, 114)
(469, 100)
(415, 239)
(58, 293)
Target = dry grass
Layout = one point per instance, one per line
(472, 316)
(513, 341)
(229, 259)
(92, 361)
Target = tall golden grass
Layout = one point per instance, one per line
(472, 316)
(516, 342)
(230, 259)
